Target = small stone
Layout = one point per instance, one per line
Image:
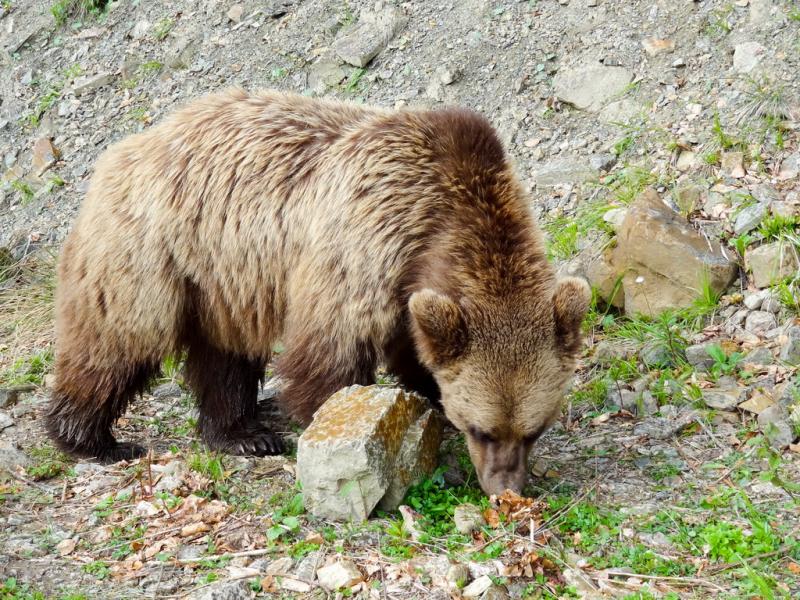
(560, 171)
(278, 8)
(747, 56)
(167, 390)
(89, 83)
(495, 592)
(591, 87)
(342, 573)
(345, 463)
(607, 351)
(190, 552)
(181, 54)
(790, 350)
(686, 160)
(45, 154)
(655, 354)
(8, 397)
(11, 458)
(468, 518)
(457, 575)
(759, 322)
(5, 421)
(723, 399)
(649, 404)
(602, 162)
(280, 566)
(655, 46)
(776, 426)
(688, 197)
(477, 587)
(698, 356)
(771, 304)
(749, 218)
(790, 167)
(370, 36)
(235, 13)
(226, 590)
(668, 411)
(140, 30)
(770, 263)
(759, 356)
(757, 403)
(753, 300)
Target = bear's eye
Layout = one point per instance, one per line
(481, 436)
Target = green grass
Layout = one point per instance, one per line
(52, 94)
(25, 190)
(777, 227)
(208, 464)
(162, 28)
(63, 10)
(724, 364)
(28, 369)
(48, 462)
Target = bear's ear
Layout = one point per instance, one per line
(570, 303)
(439, 327)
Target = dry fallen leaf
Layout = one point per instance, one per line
(194, 529)
(492, 518)
(315, 538)
(794, 568)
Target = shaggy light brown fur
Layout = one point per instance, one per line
(354, 234)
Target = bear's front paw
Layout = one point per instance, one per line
(249, 442)
(121, 451)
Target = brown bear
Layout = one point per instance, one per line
(355, 235)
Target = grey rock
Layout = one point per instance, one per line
(749, 218)
(615, 217)
(560, 171)
(607, 351)
(649, 404)
(370, 36)
(342, 573)
(167, 390)
(191, 551)
(655, 354)
(307, 568)
(753, 300)
(278, 8)
(724, 398)
(759, 356)
(759, 322)
(468, 518)
(790, 351)
(346, 464)
(621, 112)
(591, 87)
(776, 426)
(181, 53)
(5, 421)
(457, 574)
(698, 356)
(622, 398)
(660, 428)
(226, 590)
(324, 74)
(747, 56)
(602, 162)
(771, 304)
(477, 588)
(495, 592)
(8, 397)
(89, 83)
(770, 263)
(11, 458)
(668, 411)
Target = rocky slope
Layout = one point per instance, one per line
(661, 144)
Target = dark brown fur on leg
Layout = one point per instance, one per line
(307, 387)
(226, 386)
(402, 361)
(85, 404)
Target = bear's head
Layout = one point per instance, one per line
(502, 367)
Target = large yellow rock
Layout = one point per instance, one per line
(363, 443)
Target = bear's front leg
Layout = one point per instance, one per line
(226, 386)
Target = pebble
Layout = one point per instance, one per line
(477, 587)
(759, 322)
(790, 350)
(5, 421)
(342, 573)
(777, 428)
(468, 518)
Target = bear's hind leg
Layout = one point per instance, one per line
(85, 403)
(226, 386)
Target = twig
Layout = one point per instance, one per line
(259, 552)
(719, 568)
(676, 580)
